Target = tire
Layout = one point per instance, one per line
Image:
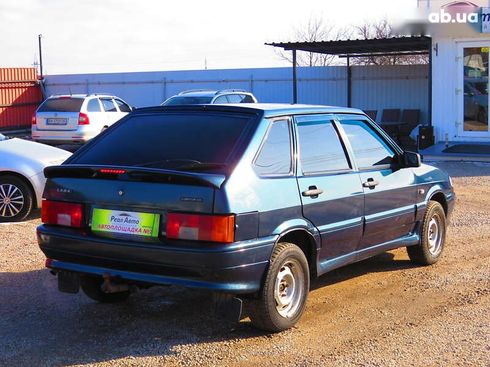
(16, 199)
(91, 286)
(432, 236)
(275, 310)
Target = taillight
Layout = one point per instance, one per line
(83, 119)
(33, 119)
(62, 213)
(213, 228)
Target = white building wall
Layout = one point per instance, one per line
(447, 88)
(444, 72)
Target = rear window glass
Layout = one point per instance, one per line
(175, 101)
(171, 141)
(61, 105)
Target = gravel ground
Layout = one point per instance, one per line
(379, 312)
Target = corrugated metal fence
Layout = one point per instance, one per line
(20, 94)
(373, 87)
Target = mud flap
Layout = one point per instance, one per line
(68, 282)
(227, 307)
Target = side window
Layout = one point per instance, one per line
(220, 100)
(320, 147)
(247, 99)
(93, 105)
(369, 148)
(275, 155)
(234, 98)
(123, 107)
(108, 105)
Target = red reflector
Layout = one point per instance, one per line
(83, 119)
(62, 213)
(112, 171)
(48, 263)
(33, 119)
(214, 228)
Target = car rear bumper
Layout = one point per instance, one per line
(82, 134)
(232, 268)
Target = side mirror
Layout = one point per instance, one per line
(411, 159)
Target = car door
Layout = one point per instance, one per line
(389, 190)
(123, 108)
(330, 189)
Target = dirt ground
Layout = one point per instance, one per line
(379, 312)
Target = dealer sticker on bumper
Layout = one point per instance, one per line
(131, 223)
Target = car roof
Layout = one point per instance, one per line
(267, 109)
(210, 92)
(201, 93)
(79, 95)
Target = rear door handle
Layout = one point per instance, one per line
(313, 192)
(371, 183)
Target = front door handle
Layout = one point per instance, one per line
(371, 183)
(312, 192)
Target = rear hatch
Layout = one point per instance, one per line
(129, 202)
(131, 177)
(59, 113)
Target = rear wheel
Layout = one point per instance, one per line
(16, 199)
(92, 287)
(433, 236)
(282, 299)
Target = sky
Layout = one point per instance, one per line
(93, 36)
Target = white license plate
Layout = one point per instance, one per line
(56, 121)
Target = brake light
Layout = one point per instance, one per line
(83, 119)
(112, 171)
(214, 228)
(62, 213)
(33, 119)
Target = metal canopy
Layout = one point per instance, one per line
(393, 46)
(361, 47)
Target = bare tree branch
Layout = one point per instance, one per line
(383, 29)
(314, 31)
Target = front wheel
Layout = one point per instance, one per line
(282, 299)
(432, 236)
(16, 199)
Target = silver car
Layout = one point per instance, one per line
(77, 117)
(21, 175)
(205, 96)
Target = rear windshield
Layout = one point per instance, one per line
(180, 141)
(61, 105)
(175, 101)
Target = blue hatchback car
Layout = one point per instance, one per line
(247, 201)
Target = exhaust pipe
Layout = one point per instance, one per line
(110, 287)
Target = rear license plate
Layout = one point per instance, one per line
(128, 223)
(56, 121)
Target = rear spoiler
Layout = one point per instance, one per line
(132, 173)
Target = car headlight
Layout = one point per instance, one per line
(451, 181)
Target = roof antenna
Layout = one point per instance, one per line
(69, 88)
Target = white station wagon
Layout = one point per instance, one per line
(76, 118)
